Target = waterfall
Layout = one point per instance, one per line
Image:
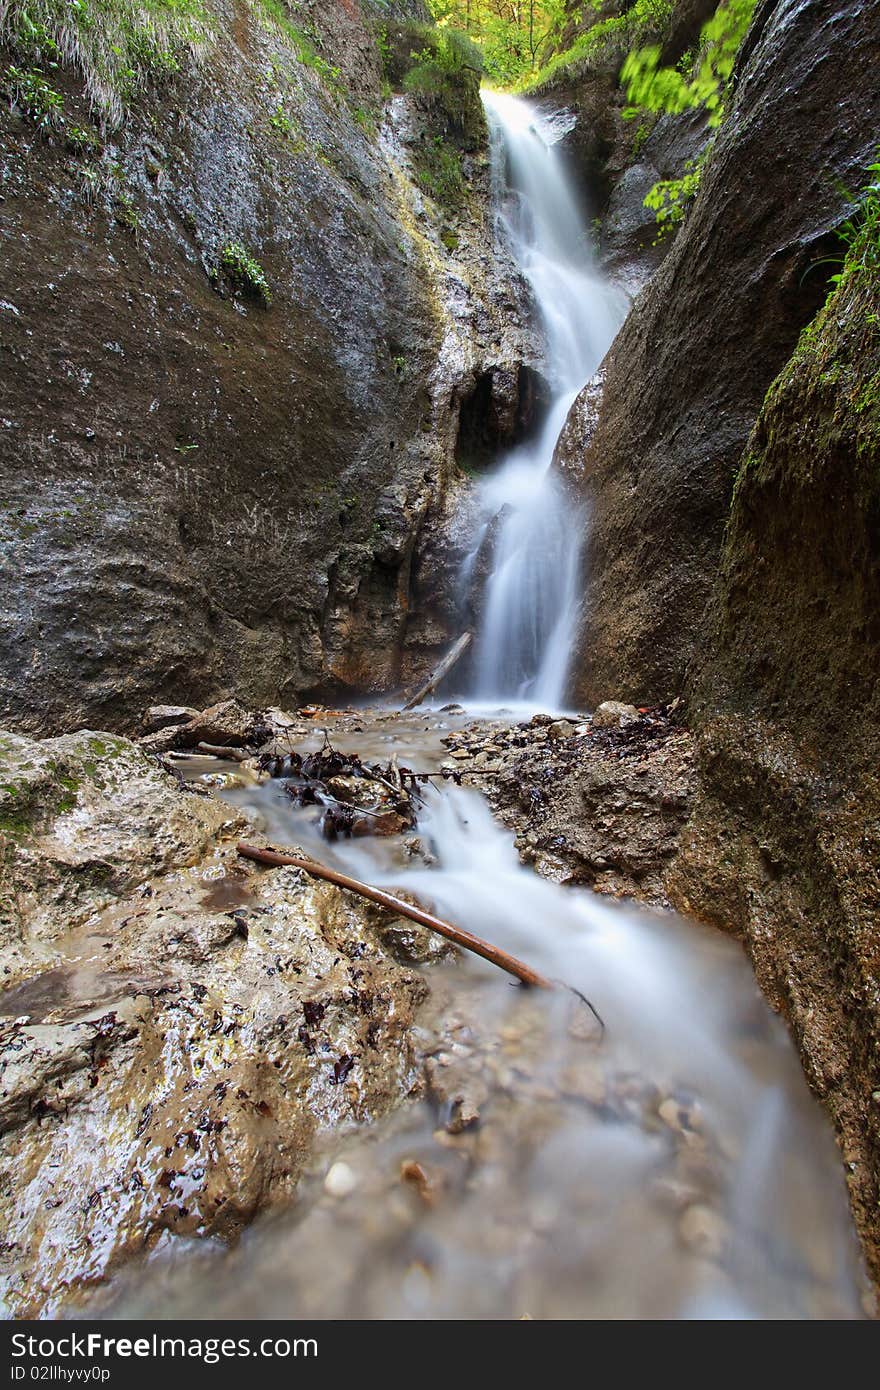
(532, 598)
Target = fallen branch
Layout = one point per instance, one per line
(456, 651)
(399, 908)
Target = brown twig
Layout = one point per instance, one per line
(399, 908)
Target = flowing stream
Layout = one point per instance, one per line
(675, 1166)
(531, 605)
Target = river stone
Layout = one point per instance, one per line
(560, 729)
(612, 714)
(703, 1231)
(163, 716)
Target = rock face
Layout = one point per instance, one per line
(784, 841)
(202, 493)
(176, 1029)
(689, 369)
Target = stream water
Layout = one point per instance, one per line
(675, 1166)
(532, 599)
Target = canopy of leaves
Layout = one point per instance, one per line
(513, 34)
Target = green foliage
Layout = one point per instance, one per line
(116, 46)
(607, 42)
(513, 34)
(281, 122)
(861, 232)
(701, 80)
(37, 101)
(245, 273)
(126, 214)
(671, 198)
(445, 75)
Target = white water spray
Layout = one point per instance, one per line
(532, 598)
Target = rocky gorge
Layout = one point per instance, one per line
(261, 344)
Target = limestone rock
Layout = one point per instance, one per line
(612, 714)
(165, 716)
(166, 1060)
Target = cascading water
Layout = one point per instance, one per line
(532, 601)
(676, 1165)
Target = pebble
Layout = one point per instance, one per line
(703, 1231)
(678, 1116)
(340, 1181)
(560, 729)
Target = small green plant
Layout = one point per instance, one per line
(80, 140)
(126, 214)
(861, 232)
(37, 101)
(281, 122)
(245, 273)
(670, 199)
(117, 46)
(642, 134)
(440, 173)
(450, 240)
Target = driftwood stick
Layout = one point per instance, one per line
(456, 651)
(399, 908)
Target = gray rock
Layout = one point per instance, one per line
(612, 714)
(164, 716)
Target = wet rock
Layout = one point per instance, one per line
(560, 729)
(605, 810)
(612, 714)
(341, 1181)
(155, 544)
(169, 1053)
(689, 370)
